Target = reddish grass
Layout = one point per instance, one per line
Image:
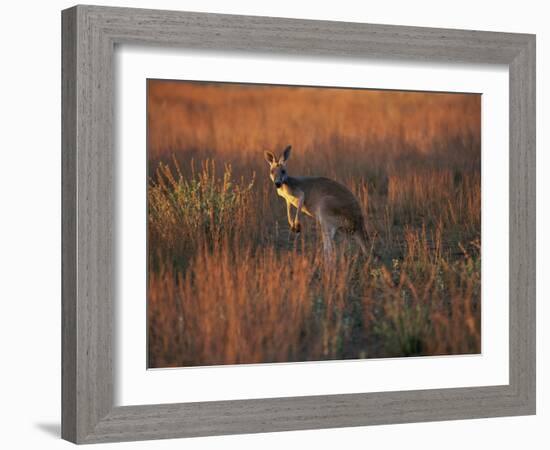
(227, 281)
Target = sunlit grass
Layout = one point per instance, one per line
(227, 281)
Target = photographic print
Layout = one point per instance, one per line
(300, 223)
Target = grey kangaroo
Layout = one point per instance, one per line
(330, 203)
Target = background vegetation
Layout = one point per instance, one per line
(229, 283)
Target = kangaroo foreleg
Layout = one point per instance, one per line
(289, 214)
(295, 225)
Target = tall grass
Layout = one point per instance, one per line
(186, 213)
(229, 283)
(240, 306)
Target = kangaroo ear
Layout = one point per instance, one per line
(286, 154)
(269, 157)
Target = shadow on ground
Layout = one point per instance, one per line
(53, 429)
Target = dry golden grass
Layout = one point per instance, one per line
(227, 281)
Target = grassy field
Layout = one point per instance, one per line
(228, 282)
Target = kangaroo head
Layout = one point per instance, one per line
(277, 167)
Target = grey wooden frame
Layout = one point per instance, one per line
(89, 37)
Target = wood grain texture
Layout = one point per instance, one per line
(523, 224)
(89, 36)
(68, 226)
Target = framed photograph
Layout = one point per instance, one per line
(279, 224)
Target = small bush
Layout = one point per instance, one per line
(184, 213)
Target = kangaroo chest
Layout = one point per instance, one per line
(288, 194)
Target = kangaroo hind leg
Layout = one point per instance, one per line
(361, 238)
(328, 233)
(329, 227)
